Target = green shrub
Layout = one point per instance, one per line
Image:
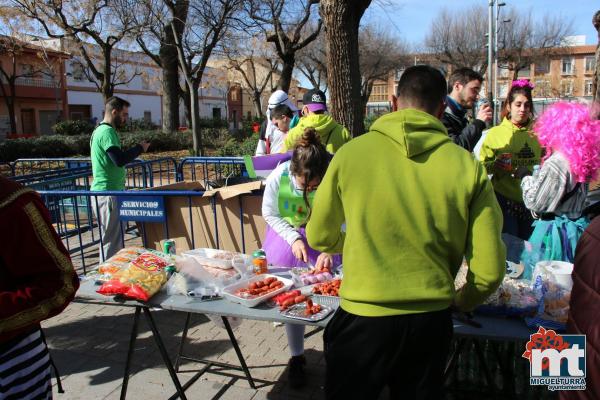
(73, 128)
(135, 125)
(159, 141)
(234, 148)
(52, 146)
(56, 146)
(213, 123)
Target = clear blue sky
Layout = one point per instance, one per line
(411, 19)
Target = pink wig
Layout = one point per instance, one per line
(567, 128)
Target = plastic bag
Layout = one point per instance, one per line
(198, 275)
(514, 297)
(140, 280)
(551, 281)
(119, 261)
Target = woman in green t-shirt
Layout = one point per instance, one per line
(509, 151)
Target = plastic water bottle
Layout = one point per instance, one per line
(536, 171)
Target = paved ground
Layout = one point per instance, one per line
(89, 343)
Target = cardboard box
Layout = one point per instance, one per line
(212, 220)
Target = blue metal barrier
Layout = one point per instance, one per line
(39, 177)
(140, 173)
(26, 166)
(211, 169)
(78, 226)
(160, 171)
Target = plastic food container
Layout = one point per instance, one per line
(223, 259)
(297, 277)
(327, 301)
(297, 312)
(228, 291)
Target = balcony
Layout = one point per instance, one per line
(39, 88)
(38, 82)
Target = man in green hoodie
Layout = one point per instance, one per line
(333, 135)
(414, 204)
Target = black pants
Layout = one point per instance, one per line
(405, 352)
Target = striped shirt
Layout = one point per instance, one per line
(545, 192)
(25, 368)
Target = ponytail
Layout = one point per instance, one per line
(309, 160)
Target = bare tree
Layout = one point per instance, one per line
(253, 62)
(207, 24)
(379, 53)
(341, 20)
(311, 61)
(105, 23)
(287, 25)
(523, 41)
(458, 37)
(158, 42)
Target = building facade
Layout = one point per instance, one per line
(565, 74)
(39, 88)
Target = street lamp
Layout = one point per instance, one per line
(496, 30)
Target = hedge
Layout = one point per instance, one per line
(57, 146)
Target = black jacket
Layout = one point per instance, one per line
(462, 132)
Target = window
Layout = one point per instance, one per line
(249, 115)
(379, 93)
(27, 70)
(590, 64)
(542, 67)
(234, 94)
(588, 87)
(504, 72)
(567, 66)
(77, 71)
(566, 87)
(147, 116)
(216, 113)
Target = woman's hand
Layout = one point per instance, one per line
(299, 250)
(324, 260)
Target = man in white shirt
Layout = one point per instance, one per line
(271, 141)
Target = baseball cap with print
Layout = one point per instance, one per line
(315, 100)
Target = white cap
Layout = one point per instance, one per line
(280, 97)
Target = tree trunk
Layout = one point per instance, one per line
(257, 104)
(10, 104)
(285, 79)
(196, 131)
(106, 86)
(341, 19)
(9, 100)
(187, 106)
(170, 82)
(170, 66)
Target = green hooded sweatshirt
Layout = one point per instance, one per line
(519, 146)
(333, 135)
(414, 204)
